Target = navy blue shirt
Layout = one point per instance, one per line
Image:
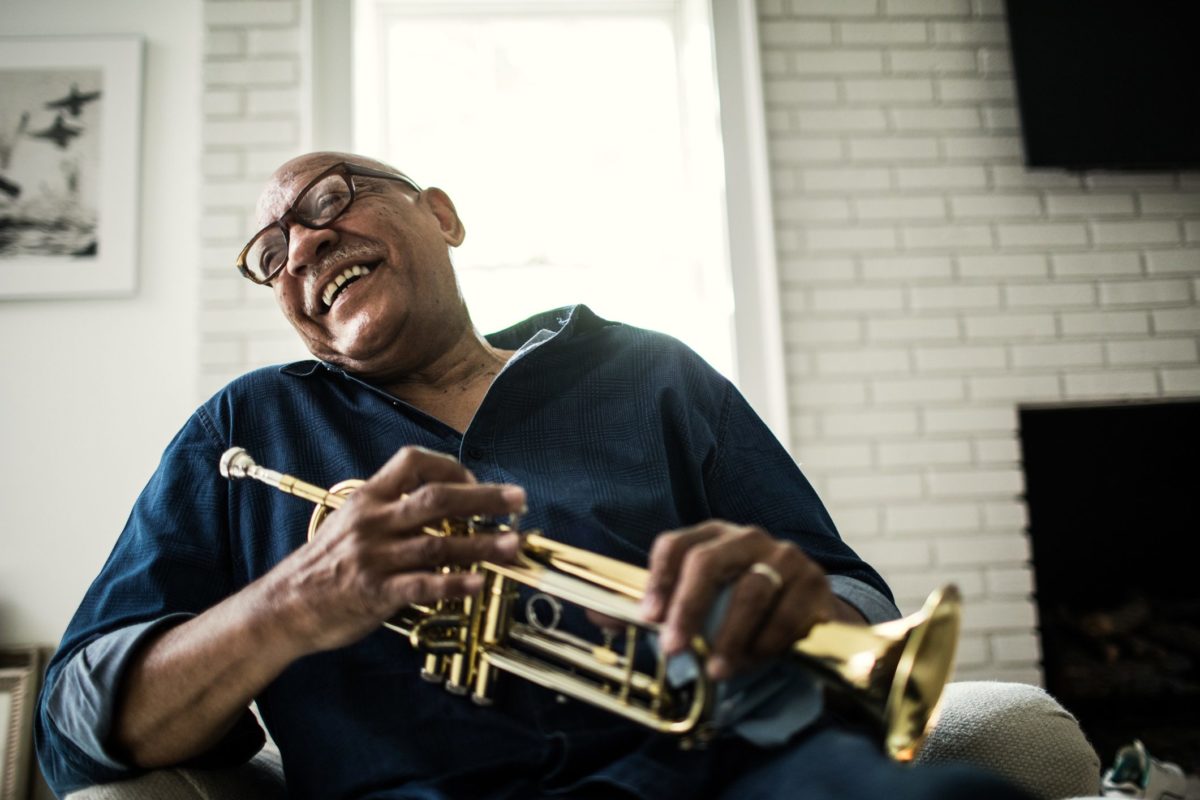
(616, 433)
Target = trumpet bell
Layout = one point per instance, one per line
(895, 671)
(926, 664)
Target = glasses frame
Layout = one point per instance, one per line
(291, 216)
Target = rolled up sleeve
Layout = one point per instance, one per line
(78, 710)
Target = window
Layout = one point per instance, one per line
(580, 142)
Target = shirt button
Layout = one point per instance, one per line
(474, 453)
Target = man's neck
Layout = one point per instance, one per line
(452, 385)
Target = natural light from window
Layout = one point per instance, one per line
(580, 148)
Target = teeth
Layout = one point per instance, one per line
(340, 280)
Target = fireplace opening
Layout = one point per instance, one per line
(1114, 512)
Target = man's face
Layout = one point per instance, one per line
(390, 247)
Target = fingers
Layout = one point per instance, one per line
(666, 559)
(427, 588)
(427, 553)
(765, 614)
(371, 556)
(388, 542)
(765, 618)
(753, 599)
(382, 598)
(715, 553)
(437, 501)
(417, 487)
(412, 467)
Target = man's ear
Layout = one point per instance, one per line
(442, 207)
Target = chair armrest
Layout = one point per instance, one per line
(1019, 732)
(261, 777)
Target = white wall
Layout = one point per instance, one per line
(257, 60)
(92, 390)
(931, 284)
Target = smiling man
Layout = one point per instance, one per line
(618, 440)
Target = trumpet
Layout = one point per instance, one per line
(894, 671)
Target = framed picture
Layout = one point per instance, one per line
(70, 144)
(20, 676)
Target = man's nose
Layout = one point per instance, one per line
(306, 246)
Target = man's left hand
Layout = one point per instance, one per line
(778, 593)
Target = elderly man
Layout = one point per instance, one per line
(615, 439)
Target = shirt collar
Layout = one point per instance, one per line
(562, 324)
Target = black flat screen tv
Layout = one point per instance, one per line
(1108, 84)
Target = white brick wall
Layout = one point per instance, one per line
(931, 284)
(254, 67)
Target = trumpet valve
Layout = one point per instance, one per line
(431, 670)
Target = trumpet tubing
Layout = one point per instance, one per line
(896, 671)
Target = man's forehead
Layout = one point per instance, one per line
(292, 176)
(287, 181)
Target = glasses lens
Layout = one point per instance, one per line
(316, 207)
(266, 253)
(323, 201)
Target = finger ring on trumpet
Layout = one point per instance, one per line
(770, 573)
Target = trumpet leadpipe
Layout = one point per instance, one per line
(236, 463)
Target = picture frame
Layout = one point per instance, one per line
(70, 150)
(20, 677)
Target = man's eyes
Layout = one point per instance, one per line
(331, 200)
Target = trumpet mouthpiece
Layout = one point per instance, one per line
(236, 463)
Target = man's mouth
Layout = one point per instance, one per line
(335, 287)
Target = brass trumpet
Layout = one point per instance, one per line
(895, 671)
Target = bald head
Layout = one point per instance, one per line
(274, 199)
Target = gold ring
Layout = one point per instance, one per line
(770, 573)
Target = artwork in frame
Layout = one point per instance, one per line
(70, 145)
(20, 673)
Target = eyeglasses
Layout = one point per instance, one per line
(319, 204)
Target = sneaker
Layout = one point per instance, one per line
(1136, 774)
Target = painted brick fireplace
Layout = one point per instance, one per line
(1114, 501)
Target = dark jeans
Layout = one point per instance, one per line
(826, 762)
(836, 764)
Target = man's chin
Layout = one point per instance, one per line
(355, 354)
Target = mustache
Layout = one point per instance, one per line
(339, 256)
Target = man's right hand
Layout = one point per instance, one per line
(188, 684)
(370, 558)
